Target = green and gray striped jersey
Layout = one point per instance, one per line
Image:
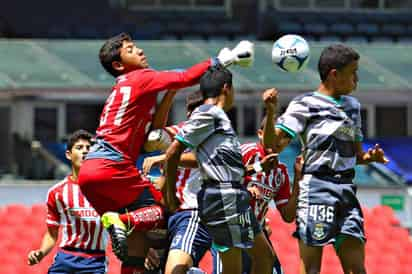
(328, 129)
(210, 135)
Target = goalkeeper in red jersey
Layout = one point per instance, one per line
(109, 178)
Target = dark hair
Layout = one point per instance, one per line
(335, 57)
(213, 80)
(193, 100)
(80, 134)
(110, 52)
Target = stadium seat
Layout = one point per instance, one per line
(393, 29)
(382, 39)
(315, 28)
(290, 27)
(367, 29)
(342, 29)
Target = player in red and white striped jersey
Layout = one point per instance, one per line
(84, 240)
(270, 182)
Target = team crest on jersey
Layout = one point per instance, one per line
(319, 232)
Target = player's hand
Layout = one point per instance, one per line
(242, 55)
(298, 167)
(150, 162)
(376, 154)
(152, 260)
(270, 98)
(254, 192)
(34, 257)
(269, 162)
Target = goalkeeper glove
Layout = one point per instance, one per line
(242, 55)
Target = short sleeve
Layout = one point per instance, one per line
(293, 121)
(53, 217)
(197, 129)
(283, 194)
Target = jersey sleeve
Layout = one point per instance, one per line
(248, 151)
(293, 121)
(283, 194)
(53, 217)
(197, 129)
(155, 81)
(358, 125)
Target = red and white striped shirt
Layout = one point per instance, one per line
(273, 186)
(188, 182)
(80, 224)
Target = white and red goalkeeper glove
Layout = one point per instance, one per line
(242, 55)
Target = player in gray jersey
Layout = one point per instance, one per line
(223, 201)
(328, 123)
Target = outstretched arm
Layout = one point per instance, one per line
(270, 98)
(162, 111)
(47, 244)
(187, 160)
(375, 154)
(169, 189)
(288, 212)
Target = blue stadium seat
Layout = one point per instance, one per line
(330, 38)
(315, 28)
(393, 29)
(382, 39)
(367, 29)
(342, 29)
(357, 39)
(405, 39)
(290, 27)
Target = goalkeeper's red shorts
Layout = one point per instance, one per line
(116, 186)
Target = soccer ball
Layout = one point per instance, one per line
(291, 53)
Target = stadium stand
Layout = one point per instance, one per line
(70, 64)
(382, 228)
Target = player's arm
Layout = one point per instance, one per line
(162, 110)
(375, 154)
(270, 99)
(187, 159)
(48, 242)
(288, 211)
(266, 164)
(242, 54)
(171, 162)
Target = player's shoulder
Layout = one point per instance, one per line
(351, 101)
(304, 99)
(248, 147)
(135, 76)
(207, 110)
(59, 185)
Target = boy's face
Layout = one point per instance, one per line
(347, 78)
(132, 57)
(78, 152)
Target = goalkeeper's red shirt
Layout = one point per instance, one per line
(128, 111)
(273, 186)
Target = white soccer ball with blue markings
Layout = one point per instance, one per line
(291, 53)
